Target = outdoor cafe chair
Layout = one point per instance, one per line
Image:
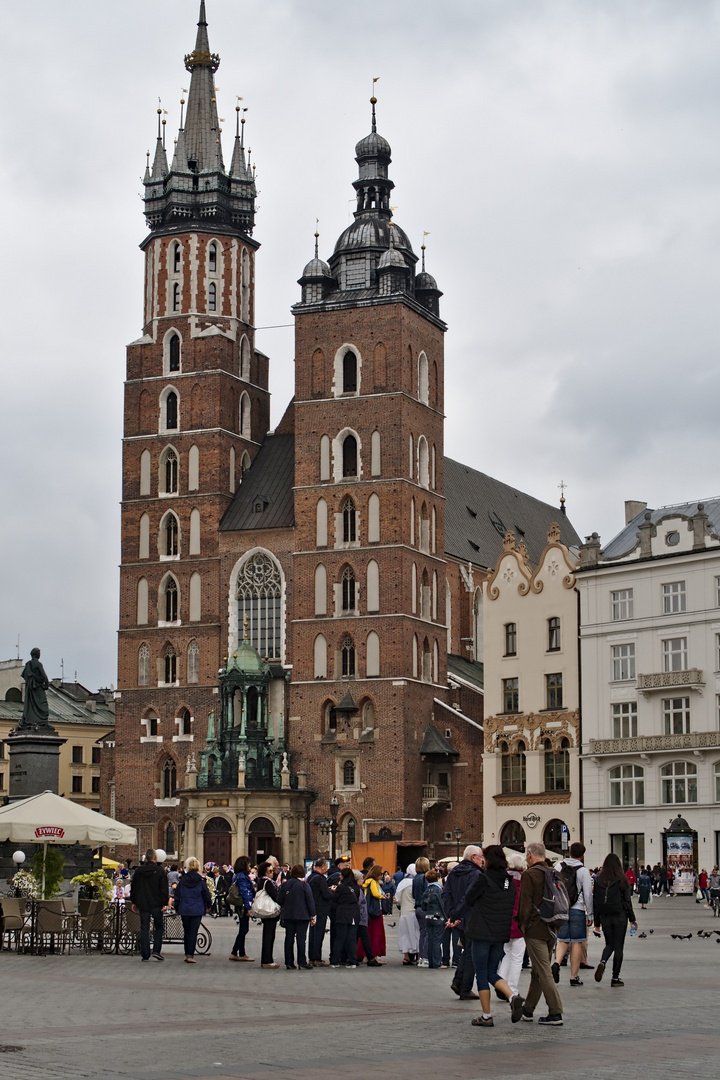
(52, 923)
(15, 920)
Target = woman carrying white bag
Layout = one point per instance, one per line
(266, 908)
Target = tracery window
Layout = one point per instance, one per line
(259, 593)
(349, 522)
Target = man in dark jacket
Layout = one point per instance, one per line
(322, 896)
(457, 884)
(149, 893)
(539, 938)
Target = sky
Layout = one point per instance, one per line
(562, 155)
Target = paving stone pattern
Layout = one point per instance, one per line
(113, 1017)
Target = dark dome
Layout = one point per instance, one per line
(372, 231)
(392, 257)
(426, 281)
(373, 145)
(317, 268)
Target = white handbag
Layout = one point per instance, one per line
(264, 907)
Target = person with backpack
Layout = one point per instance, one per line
(573, 934)
(539, 938)
(613, 911)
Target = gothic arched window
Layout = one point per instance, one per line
(171, 473)
(171, 600)
(349, 522)
(176, 259)
(174, 353)
(349, 592)
(347, 652)
(170, 535)
(193, 662)
(349, 373)
(176, 297)
(351, 831)
(259, 593)
(349, 456)
(171, 411)
(169, 779)
(169, 838)
(144, 665)
(185, 725)
(349, 773)
(212, 258)
(212, 296)
(170, 665)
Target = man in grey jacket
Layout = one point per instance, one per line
(573, 933)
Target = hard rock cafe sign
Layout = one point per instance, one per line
(532, 820)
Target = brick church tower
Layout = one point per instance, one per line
(367, 631)
(196, 410)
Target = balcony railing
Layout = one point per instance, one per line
(433, 794)
(695, 740)
(664, 680)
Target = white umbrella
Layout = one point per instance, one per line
(48, 819)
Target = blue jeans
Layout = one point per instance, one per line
(157, 917)
(191, 925)
(238, 948)
(575, 929)
(423, 946)
(487, 957)
(435, 931)
(450, 937)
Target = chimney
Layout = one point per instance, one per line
(632, 509)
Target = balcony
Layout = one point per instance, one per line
(643, 744)
(692, 679)
(434, 795)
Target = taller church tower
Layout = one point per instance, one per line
(196, 410)
(369, 641)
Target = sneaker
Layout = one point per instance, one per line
(517, 1008)
(336, 966)
(444, 967)
(586, 967)
(483, 1021)
(616, 982)
(423, 963)
(455, 988)
(599, 971)
(145, 959)
(157, 956)
(555, 968)
(305, 967)
(563, 962)
(470, 996)
(527, 1015)
(551, 1020)
(577, 981)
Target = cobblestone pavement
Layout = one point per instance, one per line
(112, 1017)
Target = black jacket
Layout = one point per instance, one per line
(149, 887)
(612, 900)
(457, 883)
(346, 903)
(492, 901)
(321, 893)
(296, 900)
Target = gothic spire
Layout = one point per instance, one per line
(237, 165)
(202, 127)
(160, 165)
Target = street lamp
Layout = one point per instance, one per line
(457, 833)
(334, 807)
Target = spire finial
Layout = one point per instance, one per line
(159, 116)
(563, 486)
(317, 236)
(373, 102)
(423, 250)
(182, 110)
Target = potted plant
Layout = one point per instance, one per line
(94, 886)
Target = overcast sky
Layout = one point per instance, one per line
(563, 156)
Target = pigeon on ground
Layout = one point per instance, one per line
(643, 935)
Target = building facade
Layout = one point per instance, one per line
(299, 608)
(532, 707)
(650, 645)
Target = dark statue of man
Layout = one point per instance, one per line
(35, 707)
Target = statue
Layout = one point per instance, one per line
(35, 707)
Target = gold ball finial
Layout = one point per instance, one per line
(373, 100)
(159, 112)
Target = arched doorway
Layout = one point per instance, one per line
(216, 841)
(262, 840)
(553, 835)
(512, 835)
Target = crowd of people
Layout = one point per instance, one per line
(486, 917)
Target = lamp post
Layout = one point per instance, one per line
(457, 833)
(334, 807)
(18, 858)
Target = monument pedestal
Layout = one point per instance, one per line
(34, 762)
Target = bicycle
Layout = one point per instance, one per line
(715, 901)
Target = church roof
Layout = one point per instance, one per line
(436, 744)
(264, 499)
(479, 510)
(470, 671)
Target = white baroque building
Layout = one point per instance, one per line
(650, 662)
(532, 745)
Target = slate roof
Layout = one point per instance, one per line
(479, 510)
(627, 539)
(470, 670)
(267, 484)
(435, 743)
(64, 710)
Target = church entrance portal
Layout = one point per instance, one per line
(262, 840)
(216, 841)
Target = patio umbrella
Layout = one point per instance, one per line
(49, 819)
